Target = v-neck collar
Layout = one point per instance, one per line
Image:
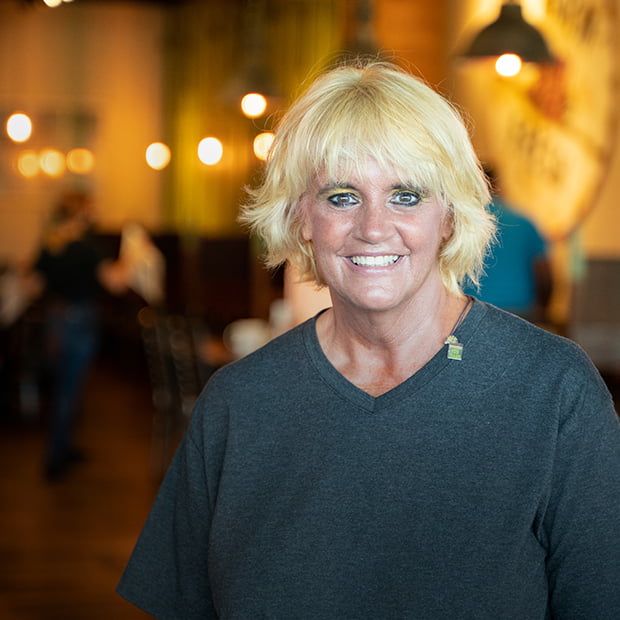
(437, 364)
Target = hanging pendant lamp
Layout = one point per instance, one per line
(510, 34)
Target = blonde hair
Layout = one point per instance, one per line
(372, 109)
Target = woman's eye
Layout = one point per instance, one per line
(343, 199)
(406, 198)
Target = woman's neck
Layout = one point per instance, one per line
(377, 351)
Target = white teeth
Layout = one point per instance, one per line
(374, 261)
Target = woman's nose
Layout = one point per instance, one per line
(373, 224)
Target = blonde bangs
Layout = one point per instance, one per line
(339, 134)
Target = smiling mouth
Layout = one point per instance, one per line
(374, 261)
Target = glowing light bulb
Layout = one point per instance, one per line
(80, 161)
(28, 164)
(210, 151)
(52, 162)
(19, 127)
(253, 105)
(262, 144)
(157, 155)
(508, 65)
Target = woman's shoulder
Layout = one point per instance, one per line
(510, 356)
(242, 387)
(281, 354)
(497, 322)
(519, 340)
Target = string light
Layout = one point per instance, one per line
(80, 161)
(28, 164)
(52, 162)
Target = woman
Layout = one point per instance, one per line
(409, 452)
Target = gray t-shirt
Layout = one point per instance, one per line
(485, 488)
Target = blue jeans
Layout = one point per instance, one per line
(73, 331)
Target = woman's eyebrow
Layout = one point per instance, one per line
(412, 187)
(408, 185)
(336, 185)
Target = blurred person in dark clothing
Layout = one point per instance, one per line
(71, 270)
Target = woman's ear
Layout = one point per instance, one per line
(306, 228)
(447, 224)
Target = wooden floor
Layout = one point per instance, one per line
(63, 545)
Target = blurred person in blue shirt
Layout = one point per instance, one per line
(518, 275)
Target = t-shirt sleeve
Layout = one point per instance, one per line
(582, 521)
(167, 574)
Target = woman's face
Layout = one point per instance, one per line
(376, 242)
